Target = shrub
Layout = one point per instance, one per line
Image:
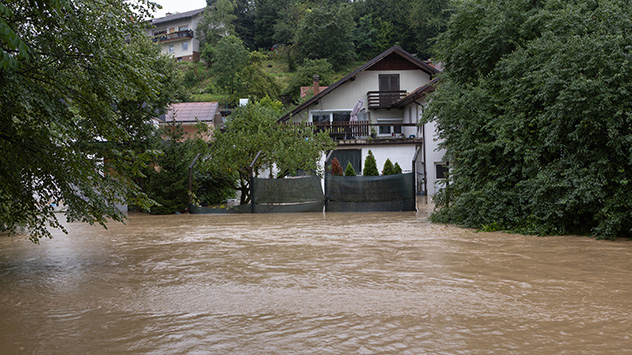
(336, 168)
(370, 166)
(397, 169)
(388, 168)
(350, 171)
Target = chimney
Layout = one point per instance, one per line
(316, 84)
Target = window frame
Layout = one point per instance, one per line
(441, 168)
(331, 114)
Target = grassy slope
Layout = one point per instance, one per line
(202, 87)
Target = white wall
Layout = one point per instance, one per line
(401, 154)
(433, 155)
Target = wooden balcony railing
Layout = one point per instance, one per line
(383, 99)
(354, 130)
(173, 35)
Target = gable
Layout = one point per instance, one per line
(394, 61)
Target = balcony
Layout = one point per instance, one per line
(341, 131)
(173, 36)
(384, 99)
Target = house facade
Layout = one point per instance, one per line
(378, 107)
(175, 33)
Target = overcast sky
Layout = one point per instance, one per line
(174, 6)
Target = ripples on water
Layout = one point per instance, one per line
(340, 283)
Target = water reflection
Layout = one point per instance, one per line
(311, 283)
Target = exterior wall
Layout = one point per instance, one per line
(434, 155)
(190, 131)
(401, 154)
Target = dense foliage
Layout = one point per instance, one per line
(536, 112)
(73, 91)
(337, 30)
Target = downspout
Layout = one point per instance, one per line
(423, 147)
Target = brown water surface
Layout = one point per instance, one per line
(336, 283)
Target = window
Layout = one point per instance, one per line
(390, 126)
(336, 122)
(388, 82)
(353, 156)
(390, 130)
(171, 49)
(442, 170)
(185, 46)
(183, 28)
(160, 32)
(325, 117)
(389, 89)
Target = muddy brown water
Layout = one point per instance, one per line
(336, 283)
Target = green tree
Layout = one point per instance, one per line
(252, 129)
(230, 57)
(304, 76)
(257, 83)
(370, 165)
(387, 22)
(70, 98)
(349, 170)
(266, 16)
(167, 180)
(388, 167)
(428, 18)
(397, 169)
(244, 23)
(217, 22)
(326, 33)
(534, 114)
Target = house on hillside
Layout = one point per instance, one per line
(188, 114)
(176, 34)
(378, 107)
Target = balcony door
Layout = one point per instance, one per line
(389, 87)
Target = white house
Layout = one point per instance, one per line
(378, 107)
(176, 34)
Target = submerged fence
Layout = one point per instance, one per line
(300, 194)
(343, 194)
(370, 193)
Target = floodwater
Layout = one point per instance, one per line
(336, 283)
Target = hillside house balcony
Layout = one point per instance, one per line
(341, 131)
(384, 99)
(165, 37)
